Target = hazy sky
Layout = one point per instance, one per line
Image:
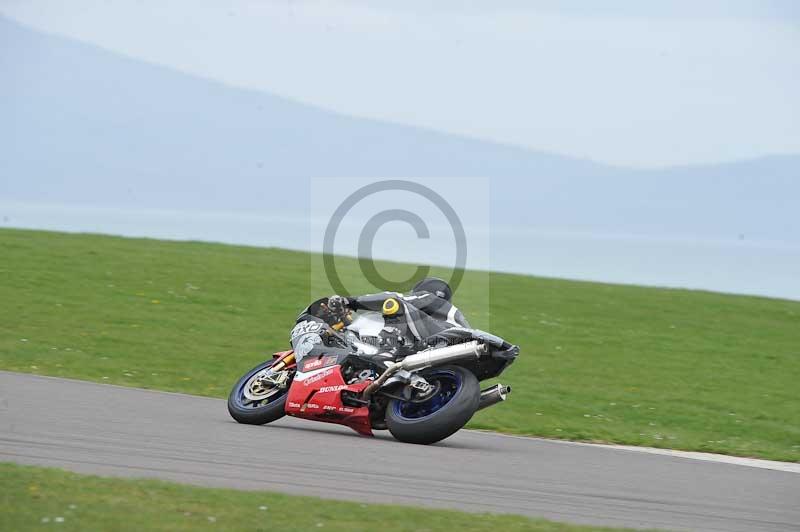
(629, 83)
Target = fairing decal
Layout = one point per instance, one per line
(317, 395)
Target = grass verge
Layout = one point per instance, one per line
(34, 498)
(642, 366)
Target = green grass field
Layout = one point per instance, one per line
(642, 366)
(33, 498)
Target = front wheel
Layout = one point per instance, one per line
(259, 397)
(455, 401)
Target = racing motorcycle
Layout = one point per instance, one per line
(370, 376)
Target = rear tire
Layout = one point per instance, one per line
(428, 422)
(249, 414)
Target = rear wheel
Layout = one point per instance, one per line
(451, 406)
(259, 397)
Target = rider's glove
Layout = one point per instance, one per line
(337, 305)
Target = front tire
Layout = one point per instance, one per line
(440, 416)
(252, 404)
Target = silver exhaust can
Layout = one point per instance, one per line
(496, 394)
(442, 355)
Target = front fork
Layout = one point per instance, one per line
(284, 360)
(276, 375)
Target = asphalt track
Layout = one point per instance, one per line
(116, 431)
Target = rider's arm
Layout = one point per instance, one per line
(431, 304)
(370, 301)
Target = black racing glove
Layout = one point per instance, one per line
(338, 306)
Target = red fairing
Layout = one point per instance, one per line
(316, 393)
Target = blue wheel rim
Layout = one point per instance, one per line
(450, 383)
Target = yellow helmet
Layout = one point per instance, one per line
(391, 307)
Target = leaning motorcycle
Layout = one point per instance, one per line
(373, 381)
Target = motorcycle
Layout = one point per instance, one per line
(421, 393)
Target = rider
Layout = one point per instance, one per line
(415, 317)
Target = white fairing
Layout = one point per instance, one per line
(364, 348)
(367, 324)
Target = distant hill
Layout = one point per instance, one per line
(81, 125)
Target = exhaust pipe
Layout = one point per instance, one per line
(424, 359)
(442, 355)
(491, 396)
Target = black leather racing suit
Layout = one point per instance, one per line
(421, 315)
